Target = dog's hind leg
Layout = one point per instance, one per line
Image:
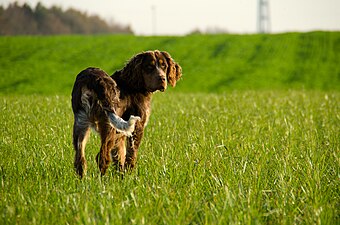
(80, 137)
(107, 136)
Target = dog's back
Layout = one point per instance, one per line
(94, 84)
(95, 95)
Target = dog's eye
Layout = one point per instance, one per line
(163, 65)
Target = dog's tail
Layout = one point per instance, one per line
(98, 87)
(125, 127)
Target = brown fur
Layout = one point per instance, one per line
(125, 94)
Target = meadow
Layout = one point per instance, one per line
(252, 149)
(212, 63)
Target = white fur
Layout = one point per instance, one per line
(126, 127)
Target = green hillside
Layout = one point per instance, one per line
(211, 63)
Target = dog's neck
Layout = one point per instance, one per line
(128, 86)
(134, 101)
(128, 89)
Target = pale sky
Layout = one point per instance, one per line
(179, 17)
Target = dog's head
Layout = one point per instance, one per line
(153, 70)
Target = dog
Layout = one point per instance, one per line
(118, 107)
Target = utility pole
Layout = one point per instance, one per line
(154, 19)
(263, 17)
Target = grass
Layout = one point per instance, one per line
(246, 157)
(211, 63)
(250, 135)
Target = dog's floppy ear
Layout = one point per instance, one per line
(174, 71)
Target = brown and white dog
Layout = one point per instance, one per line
(118, 107)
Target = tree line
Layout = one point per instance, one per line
(24, 20)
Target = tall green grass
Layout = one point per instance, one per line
(247, 157)
(210, 155)
(211, 63)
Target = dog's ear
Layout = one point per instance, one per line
(174, 71)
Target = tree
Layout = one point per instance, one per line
(21, 20)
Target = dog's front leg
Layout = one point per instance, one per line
(133, 144)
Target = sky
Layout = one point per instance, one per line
(180, 17)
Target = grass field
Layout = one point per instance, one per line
(213, 152)
(211, 63)
(248, 157)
